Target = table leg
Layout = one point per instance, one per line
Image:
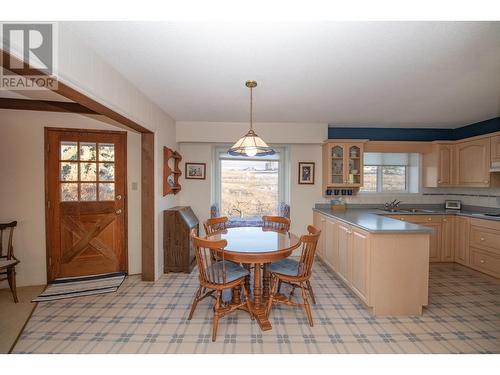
(236, 297)
(265, 279)
(259, 310)
(247, 278)
(257, 282)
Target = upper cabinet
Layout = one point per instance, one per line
(342, 164)
(461, 163)
(438, 165)
(473, 162)
(495, 149)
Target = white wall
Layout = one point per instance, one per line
(22, 189)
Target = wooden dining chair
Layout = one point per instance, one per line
(296, 273)
(217, 274)
(276, 223)
(8, 261)
(215, 224)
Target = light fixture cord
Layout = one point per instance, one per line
(251, 108)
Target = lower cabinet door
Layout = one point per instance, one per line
(435, 245)
(332, 241)
(462, 228)
(359, 263)
(344, 243)
(447, 237)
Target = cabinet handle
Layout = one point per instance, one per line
(481, 261)
(119, 211)
(402, 218)
(429, 218)
(439, 181)
(482, 238)
(445, 220)
(486, 181)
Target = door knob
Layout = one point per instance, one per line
(119, 211)
(118, 197)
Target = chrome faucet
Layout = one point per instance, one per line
(392, 205)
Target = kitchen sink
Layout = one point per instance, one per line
(408, 210)
(418, 210)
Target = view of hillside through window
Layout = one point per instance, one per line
(249, 188)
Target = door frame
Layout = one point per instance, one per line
(48, 129)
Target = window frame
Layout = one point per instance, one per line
(283, 171)
(380, 183)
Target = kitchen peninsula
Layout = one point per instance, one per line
(384, 261)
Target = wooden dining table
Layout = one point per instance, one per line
(259, 247)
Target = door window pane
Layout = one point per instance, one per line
(68, 171)
(106, 191)
(69, 150)
(88, 172)
(88, 151)
(106, 171)
(88, 192)
(106, 152)
(69, 192)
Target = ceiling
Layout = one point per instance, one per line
(390, 74)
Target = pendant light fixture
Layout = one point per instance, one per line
(251, 144)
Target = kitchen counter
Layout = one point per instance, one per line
(373, 221)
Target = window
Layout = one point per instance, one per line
(247, 188)
(87, 171)
(390, 173)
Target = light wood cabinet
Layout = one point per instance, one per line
(319, 221)
(388, 272)
(447, 239)
(473, 160)
(442, 238)
(435, 242)
(331, 244)
(359, 263)
(495, 148)
(462, 228)
(344, 242)
(439, 166)
(342, 164)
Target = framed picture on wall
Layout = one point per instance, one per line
(195, 171)
(306, 173)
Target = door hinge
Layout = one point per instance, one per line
(48, 204)
(50, 261)
(48, 147)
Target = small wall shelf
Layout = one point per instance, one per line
(171, 176)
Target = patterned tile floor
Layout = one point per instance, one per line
(463, 316)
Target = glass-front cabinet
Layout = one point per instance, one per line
(343, 164)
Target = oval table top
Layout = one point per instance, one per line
(255, 244)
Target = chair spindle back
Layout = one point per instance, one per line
(210, 260)
(276, 223)
(10, 248)
(215, 224)
(309, 243)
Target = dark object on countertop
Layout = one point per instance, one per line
(497, 214)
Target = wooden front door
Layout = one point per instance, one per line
(86, 217)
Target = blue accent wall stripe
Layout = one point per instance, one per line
(415, 134)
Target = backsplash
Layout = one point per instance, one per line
(470, 197)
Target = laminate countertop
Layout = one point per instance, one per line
(375, 220)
